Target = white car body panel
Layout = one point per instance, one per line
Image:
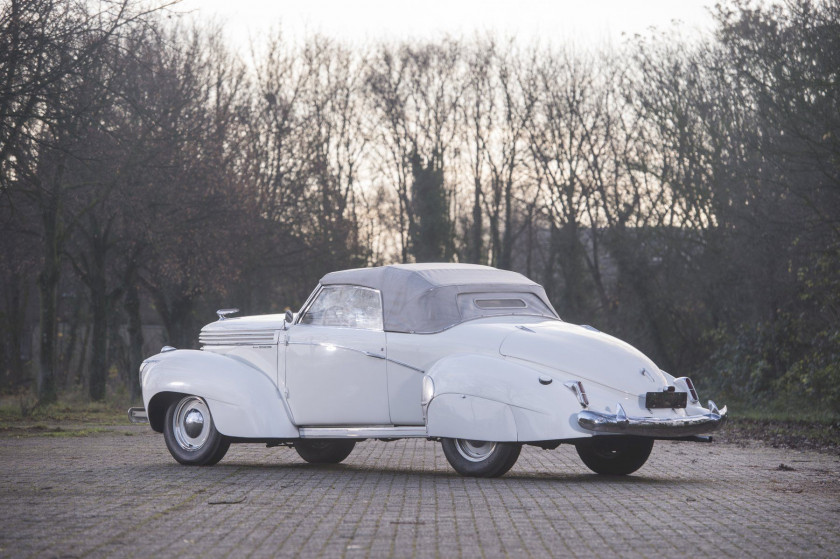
(538, 411)
(412, 355)
(469, 417)
(336, 376)
(585, 354)
(243, 400)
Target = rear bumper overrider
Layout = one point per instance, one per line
(663, 428)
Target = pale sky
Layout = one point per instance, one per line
(583, 22)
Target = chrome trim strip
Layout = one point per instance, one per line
(404, 364)
(620, 423)
(362, 351)
(307, 303)
(339, 346)
(384, 432)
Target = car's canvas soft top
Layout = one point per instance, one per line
(421, 298)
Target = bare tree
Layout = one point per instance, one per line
(498, 111)
(51, 56)
(564, 88)
(416, 96)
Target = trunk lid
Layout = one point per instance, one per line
(580, 353)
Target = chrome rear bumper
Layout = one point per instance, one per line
(658, 427)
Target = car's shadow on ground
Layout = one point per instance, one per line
(337, 472)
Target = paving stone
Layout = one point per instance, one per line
(120, 494)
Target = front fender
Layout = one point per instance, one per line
(243, 400)
(488, 398)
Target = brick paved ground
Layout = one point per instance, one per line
(120, 494)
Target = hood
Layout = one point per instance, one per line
(581, 353)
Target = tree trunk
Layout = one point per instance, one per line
(506, 252)
(476, 249)
(48, 291)
(135, 339)
(99, 341)
(48, 288)
(16, 302)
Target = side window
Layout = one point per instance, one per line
(346, 306)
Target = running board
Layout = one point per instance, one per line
(362, 432)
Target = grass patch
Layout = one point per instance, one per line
(783, 411)
(24, 411)
(782, 425)
(54, 431)
(70, 433)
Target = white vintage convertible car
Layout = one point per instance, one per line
(470, 356)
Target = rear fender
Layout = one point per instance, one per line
(487, 398)
(243, 400)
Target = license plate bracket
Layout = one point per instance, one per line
(658, 400)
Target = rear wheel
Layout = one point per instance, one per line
(324, 451)
(617, 456)
(190, 434)
(480, 458)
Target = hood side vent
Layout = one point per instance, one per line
(240, 337)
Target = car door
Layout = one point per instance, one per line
(335, 360)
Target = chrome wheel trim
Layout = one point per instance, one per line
(191, 423)
(475, 451)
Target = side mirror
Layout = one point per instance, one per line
(289, 317)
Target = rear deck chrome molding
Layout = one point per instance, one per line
(377, 432)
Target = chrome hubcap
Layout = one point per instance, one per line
(193, 423)
(475, 451)
(188, 423)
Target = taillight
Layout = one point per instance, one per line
(689, 386)
(577, 387)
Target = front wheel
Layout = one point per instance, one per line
(324, 451)
(480, 458)
(190, 435)
(617, 456)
